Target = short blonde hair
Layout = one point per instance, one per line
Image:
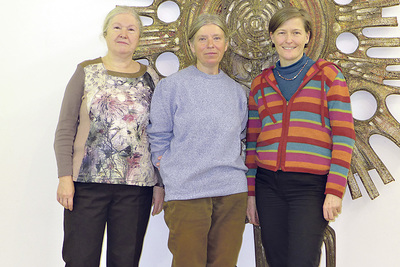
(121, 10)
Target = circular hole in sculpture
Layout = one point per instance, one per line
(343, 2)
(143, 2)
(363, 105)
(167, 63)
(168, 11)
(347, 43)
(143, 61)
(146, 21)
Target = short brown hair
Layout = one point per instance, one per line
(287, 13)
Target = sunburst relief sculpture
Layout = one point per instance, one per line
(250, 51)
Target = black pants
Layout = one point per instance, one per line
(125, 209)
(289, 207)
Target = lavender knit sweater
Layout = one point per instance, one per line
(196, 124)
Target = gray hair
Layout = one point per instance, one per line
(205, 19)
(121, 10)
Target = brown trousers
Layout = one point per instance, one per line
(206, 232)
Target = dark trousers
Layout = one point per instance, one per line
(125, 209)
(289, 207)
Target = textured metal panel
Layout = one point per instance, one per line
(250, 51)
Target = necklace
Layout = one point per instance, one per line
(295, 76)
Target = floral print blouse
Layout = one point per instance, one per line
(109, 114)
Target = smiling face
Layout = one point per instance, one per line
(290, 39)
(123, 34)
(209, 46)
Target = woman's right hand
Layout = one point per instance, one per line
(158, 163)
(158, 199)
(252, 214)
(65, 192)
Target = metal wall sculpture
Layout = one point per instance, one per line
(250, 51)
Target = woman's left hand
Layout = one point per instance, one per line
(332, 207)
(252, 214)
(158, 199)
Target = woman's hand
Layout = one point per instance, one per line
(65, 192)
(252, 214)
(332, 207)
(158, 199)
(158, 163)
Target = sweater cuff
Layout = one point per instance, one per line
(158, 176)
(251, 193)
(334, 192)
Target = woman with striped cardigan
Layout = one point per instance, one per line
(300, 139)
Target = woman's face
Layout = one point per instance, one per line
(209, 46)
(290, 39)
(123, 34)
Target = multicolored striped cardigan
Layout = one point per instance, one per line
(312, 133)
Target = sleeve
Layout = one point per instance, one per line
(244, 108)
(253, 131)
(68, 122)
(160, 129)
(343, 134)
(156, 78)
(153, 75)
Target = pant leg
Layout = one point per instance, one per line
(306, 222)
(300, 197)
(272, 211)
(226, 232)
(84, 226)
(128, 216)
(189, 222)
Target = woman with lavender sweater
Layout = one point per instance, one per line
(197, 120)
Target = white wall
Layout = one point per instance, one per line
(42, 41)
